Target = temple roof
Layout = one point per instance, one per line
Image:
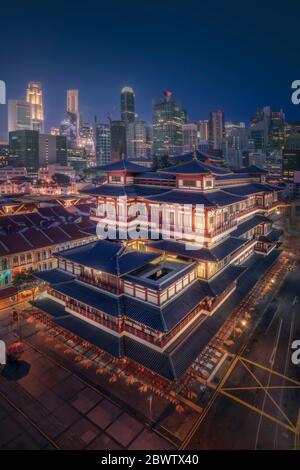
(209, 198)
(194, 167)
(122, 165)
(202, 156)
(251, 188)
(162, 318)
(216, 253)
(252, 169)
(107, 256)
(220, 282)
(249, 224)
(116, 190)
(271, 237)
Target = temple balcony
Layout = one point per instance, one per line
(96, 282)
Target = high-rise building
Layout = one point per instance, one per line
(189, 137)
(139, 139)
(127, 105)
(267, 130)
(291, 160)
(216, 130)
(203, 130)
(292, 136)
(235, 143)
(52, 149)
(168, 118)
(47, 149)
(69, 128)
(72, 101)
(24, 149)
(103, 144)
(277, 128)
(61, 150)
(31, 149)
(86, 137)
(118, 140)
(34, 96)
(19, 115)
(73, 110)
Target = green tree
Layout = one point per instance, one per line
(26, 281)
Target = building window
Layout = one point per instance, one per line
(115, 179)
(208, 183)
(4, 264)
(189, 183)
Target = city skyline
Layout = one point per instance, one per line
(193, 66)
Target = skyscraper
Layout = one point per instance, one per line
(24, 149)
(103, 144)
(86, 137)
(204, 130)
(19, 115)
(216, 130)
(73, 110)
(118, 140)
(139, 139)
(72, 101)
(68, 128)
(189, 137)
(127, 105)
(168, 118)
(34, 96)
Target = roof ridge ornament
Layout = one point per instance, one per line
(195, 153)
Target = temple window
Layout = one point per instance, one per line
(201, 270)
(115, 179)
(189, 183)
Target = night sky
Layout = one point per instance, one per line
(235, 56)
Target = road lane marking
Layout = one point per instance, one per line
(258, 410)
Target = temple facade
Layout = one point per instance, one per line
(173, 246)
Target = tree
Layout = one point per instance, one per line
(160, 162)
(26, 281)
(164, 161)
(155, 162)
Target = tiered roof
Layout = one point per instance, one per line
(122, 165)
(108, 256)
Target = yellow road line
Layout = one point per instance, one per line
(268, 394)
(197, 424)
(270, 387)
(258, 410)
(243, 359)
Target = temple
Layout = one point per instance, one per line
(148, 296)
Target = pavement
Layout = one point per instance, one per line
(52, 407)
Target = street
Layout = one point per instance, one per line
(257, 405)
